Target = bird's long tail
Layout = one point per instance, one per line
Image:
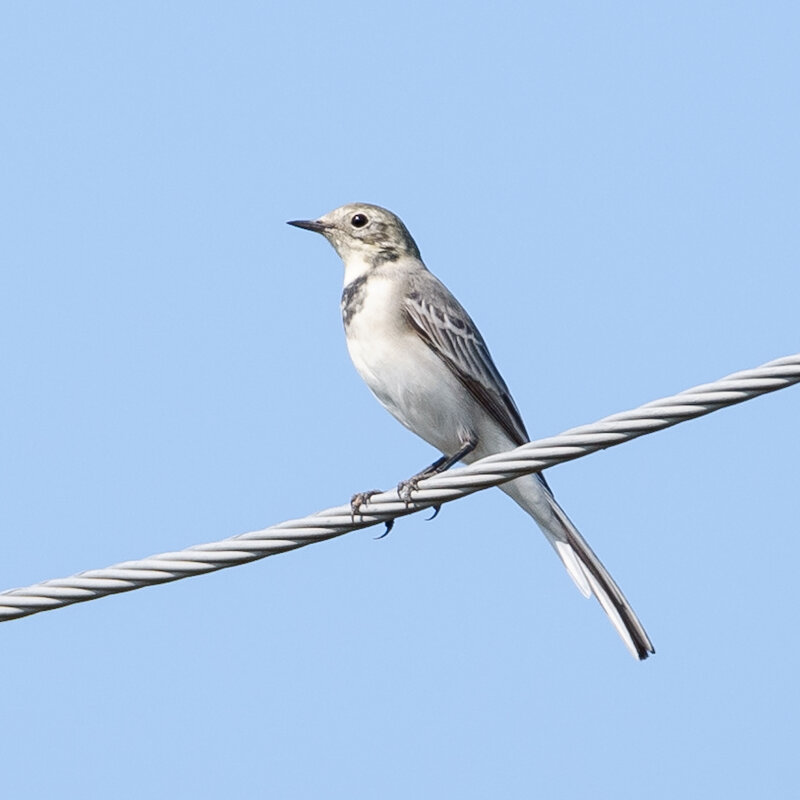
(584, 567)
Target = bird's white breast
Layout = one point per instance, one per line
(406, 376)
(376, 333)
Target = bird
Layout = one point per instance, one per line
(424, 359)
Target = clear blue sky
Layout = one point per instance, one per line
(612, 189)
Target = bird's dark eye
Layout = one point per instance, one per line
(359, 221)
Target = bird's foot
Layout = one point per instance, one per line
(406, 488)
(358, 500)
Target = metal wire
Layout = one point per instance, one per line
(386, 506)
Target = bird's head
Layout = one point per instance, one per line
(364, 232)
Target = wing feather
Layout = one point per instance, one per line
(444, 325)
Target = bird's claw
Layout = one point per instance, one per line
(389, 525)
(358, 500)
(436, 509)
(405, 488)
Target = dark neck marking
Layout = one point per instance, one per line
(353, 298)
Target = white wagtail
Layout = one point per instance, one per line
(425, 360)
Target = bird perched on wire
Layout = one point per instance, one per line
(422, 356)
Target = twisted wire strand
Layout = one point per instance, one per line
(386, 506)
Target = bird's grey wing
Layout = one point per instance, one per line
(444, 325)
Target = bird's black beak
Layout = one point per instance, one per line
(309, 225)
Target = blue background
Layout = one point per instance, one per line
(610, 188)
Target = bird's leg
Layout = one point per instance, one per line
(405, 488)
